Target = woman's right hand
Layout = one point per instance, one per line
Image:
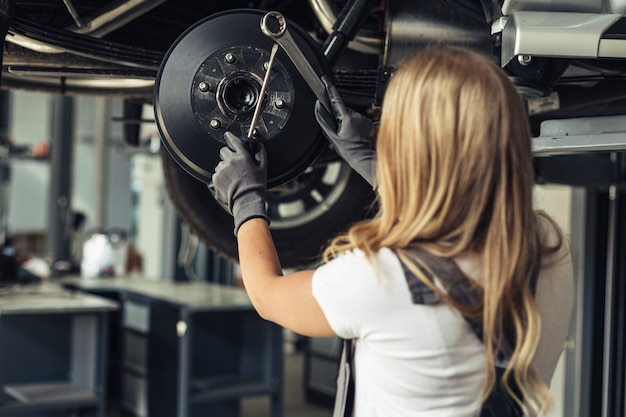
(350, 133)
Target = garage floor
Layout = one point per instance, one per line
(294, 404)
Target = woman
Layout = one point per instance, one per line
(454, 180)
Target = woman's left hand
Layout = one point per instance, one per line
(240, 180)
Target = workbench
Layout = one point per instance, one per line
(53, 351)
(190, 349)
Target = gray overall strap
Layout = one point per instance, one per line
(463, 291)
(460, 288)
(344, 399)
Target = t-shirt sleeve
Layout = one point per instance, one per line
(354, 295)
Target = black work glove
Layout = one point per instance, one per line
(240, 180)
(349, 132)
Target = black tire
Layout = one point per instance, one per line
(299, 241)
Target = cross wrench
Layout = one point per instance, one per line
(293, 51)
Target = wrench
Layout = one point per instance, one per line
(257, 110)
(293, 51)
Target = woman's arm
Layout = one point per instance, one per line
(286, 300)
(240, 181)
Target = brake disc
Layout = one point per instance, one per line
(210, 81)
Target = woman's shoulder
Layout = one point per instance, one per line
(355, 267)
(358, 260)
(361, 256)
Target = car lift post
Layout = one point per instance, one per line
(59, 217)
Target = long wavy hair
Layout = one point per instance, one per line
(455, 176)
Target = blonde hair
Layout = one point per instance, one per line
(455, 176)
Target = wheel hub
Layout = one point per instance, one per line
(238, 94)
(227, 88)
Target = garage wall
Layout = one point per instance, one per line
(30, 122)
(88, 111)
(28, 189)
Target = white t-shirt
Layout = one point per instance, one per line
(422, 360)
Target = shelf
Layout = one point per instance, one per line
(49, 392)
(47, 335)
(228, 387)
(48, 396)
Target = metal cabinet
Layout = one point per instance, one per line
(193, 349)
(53, 352)
(321, 365)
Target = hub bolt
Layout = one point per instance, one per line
(215, 124)
(230, 58)
(279, 103)
(204, 87)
